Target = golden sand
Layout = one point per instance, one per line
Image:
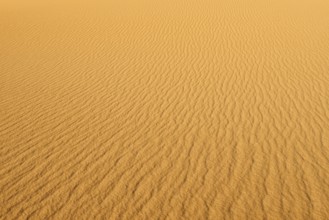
(166, 109)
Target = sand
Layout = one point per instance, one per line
(166, 109)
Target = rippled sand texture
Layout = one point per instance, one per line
(188, 109)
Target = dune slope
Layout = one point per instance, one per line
(164, 109)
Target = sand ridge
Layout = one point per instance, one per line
(164, 109)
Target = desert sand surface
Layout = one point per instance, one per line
(165, 109)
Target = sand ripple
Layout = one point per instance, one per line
(164, 109)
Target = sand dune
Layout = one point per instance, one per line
(164, 109)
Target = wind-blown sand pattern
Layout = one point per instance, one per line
(188, 109)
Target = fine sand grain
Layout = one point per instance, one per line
(164, 109)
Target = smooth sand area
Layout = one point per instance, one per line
(164, 109)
